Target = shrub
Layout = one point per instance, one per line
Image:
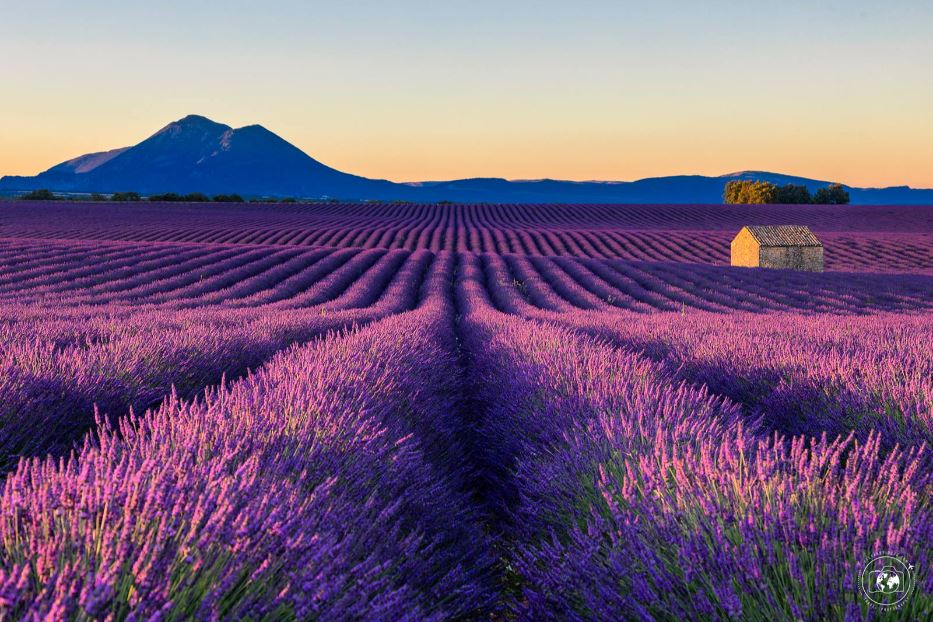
(125, 196)
(192, 197)
(228, 198)
(39, 195)
(168, 196)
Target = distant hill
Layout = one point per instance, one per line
(195, 154)
(673, 189)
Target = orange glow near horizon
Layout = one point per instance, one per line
(864, 161)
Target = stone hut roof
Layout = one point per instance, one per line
(783, 235)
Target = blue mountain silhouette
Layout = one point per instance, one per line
(195, 154)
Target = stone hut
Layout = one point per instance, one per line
(791, 247)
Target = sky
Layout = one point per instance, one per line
(418, 90)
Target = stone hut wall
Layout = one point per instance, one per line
(808, 258)
(745, 250)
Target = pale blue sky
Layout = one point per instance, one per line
(429, 90)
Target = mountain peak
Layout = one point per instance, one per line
(193, 124)
(196, 154)
(196, 119)
(745, 173)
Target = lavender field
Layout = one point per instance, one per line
(459, 412)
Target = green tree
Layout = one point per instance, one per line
(833, 194)
(125, 196)
(747, 192)
(792, 194)
(730, 194)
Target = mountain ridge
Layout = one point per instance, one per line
(197, 154)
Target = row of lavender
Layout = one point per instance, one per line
(626, 489)
(184, 277)
(61, 365)
(275, 278)
(625, 464)
(799, 373)
(330, 485)
(811, 375)
(890, 252)
(350, 479)
(251, 220)
(857, 238)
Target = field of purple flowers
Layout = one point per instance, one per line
(398, 412)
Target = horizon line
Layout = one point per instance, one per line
(410, 182)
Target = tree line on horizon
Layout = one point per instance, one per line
(193, 197)
(738, 192)
(756, 192)
(169, 197)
